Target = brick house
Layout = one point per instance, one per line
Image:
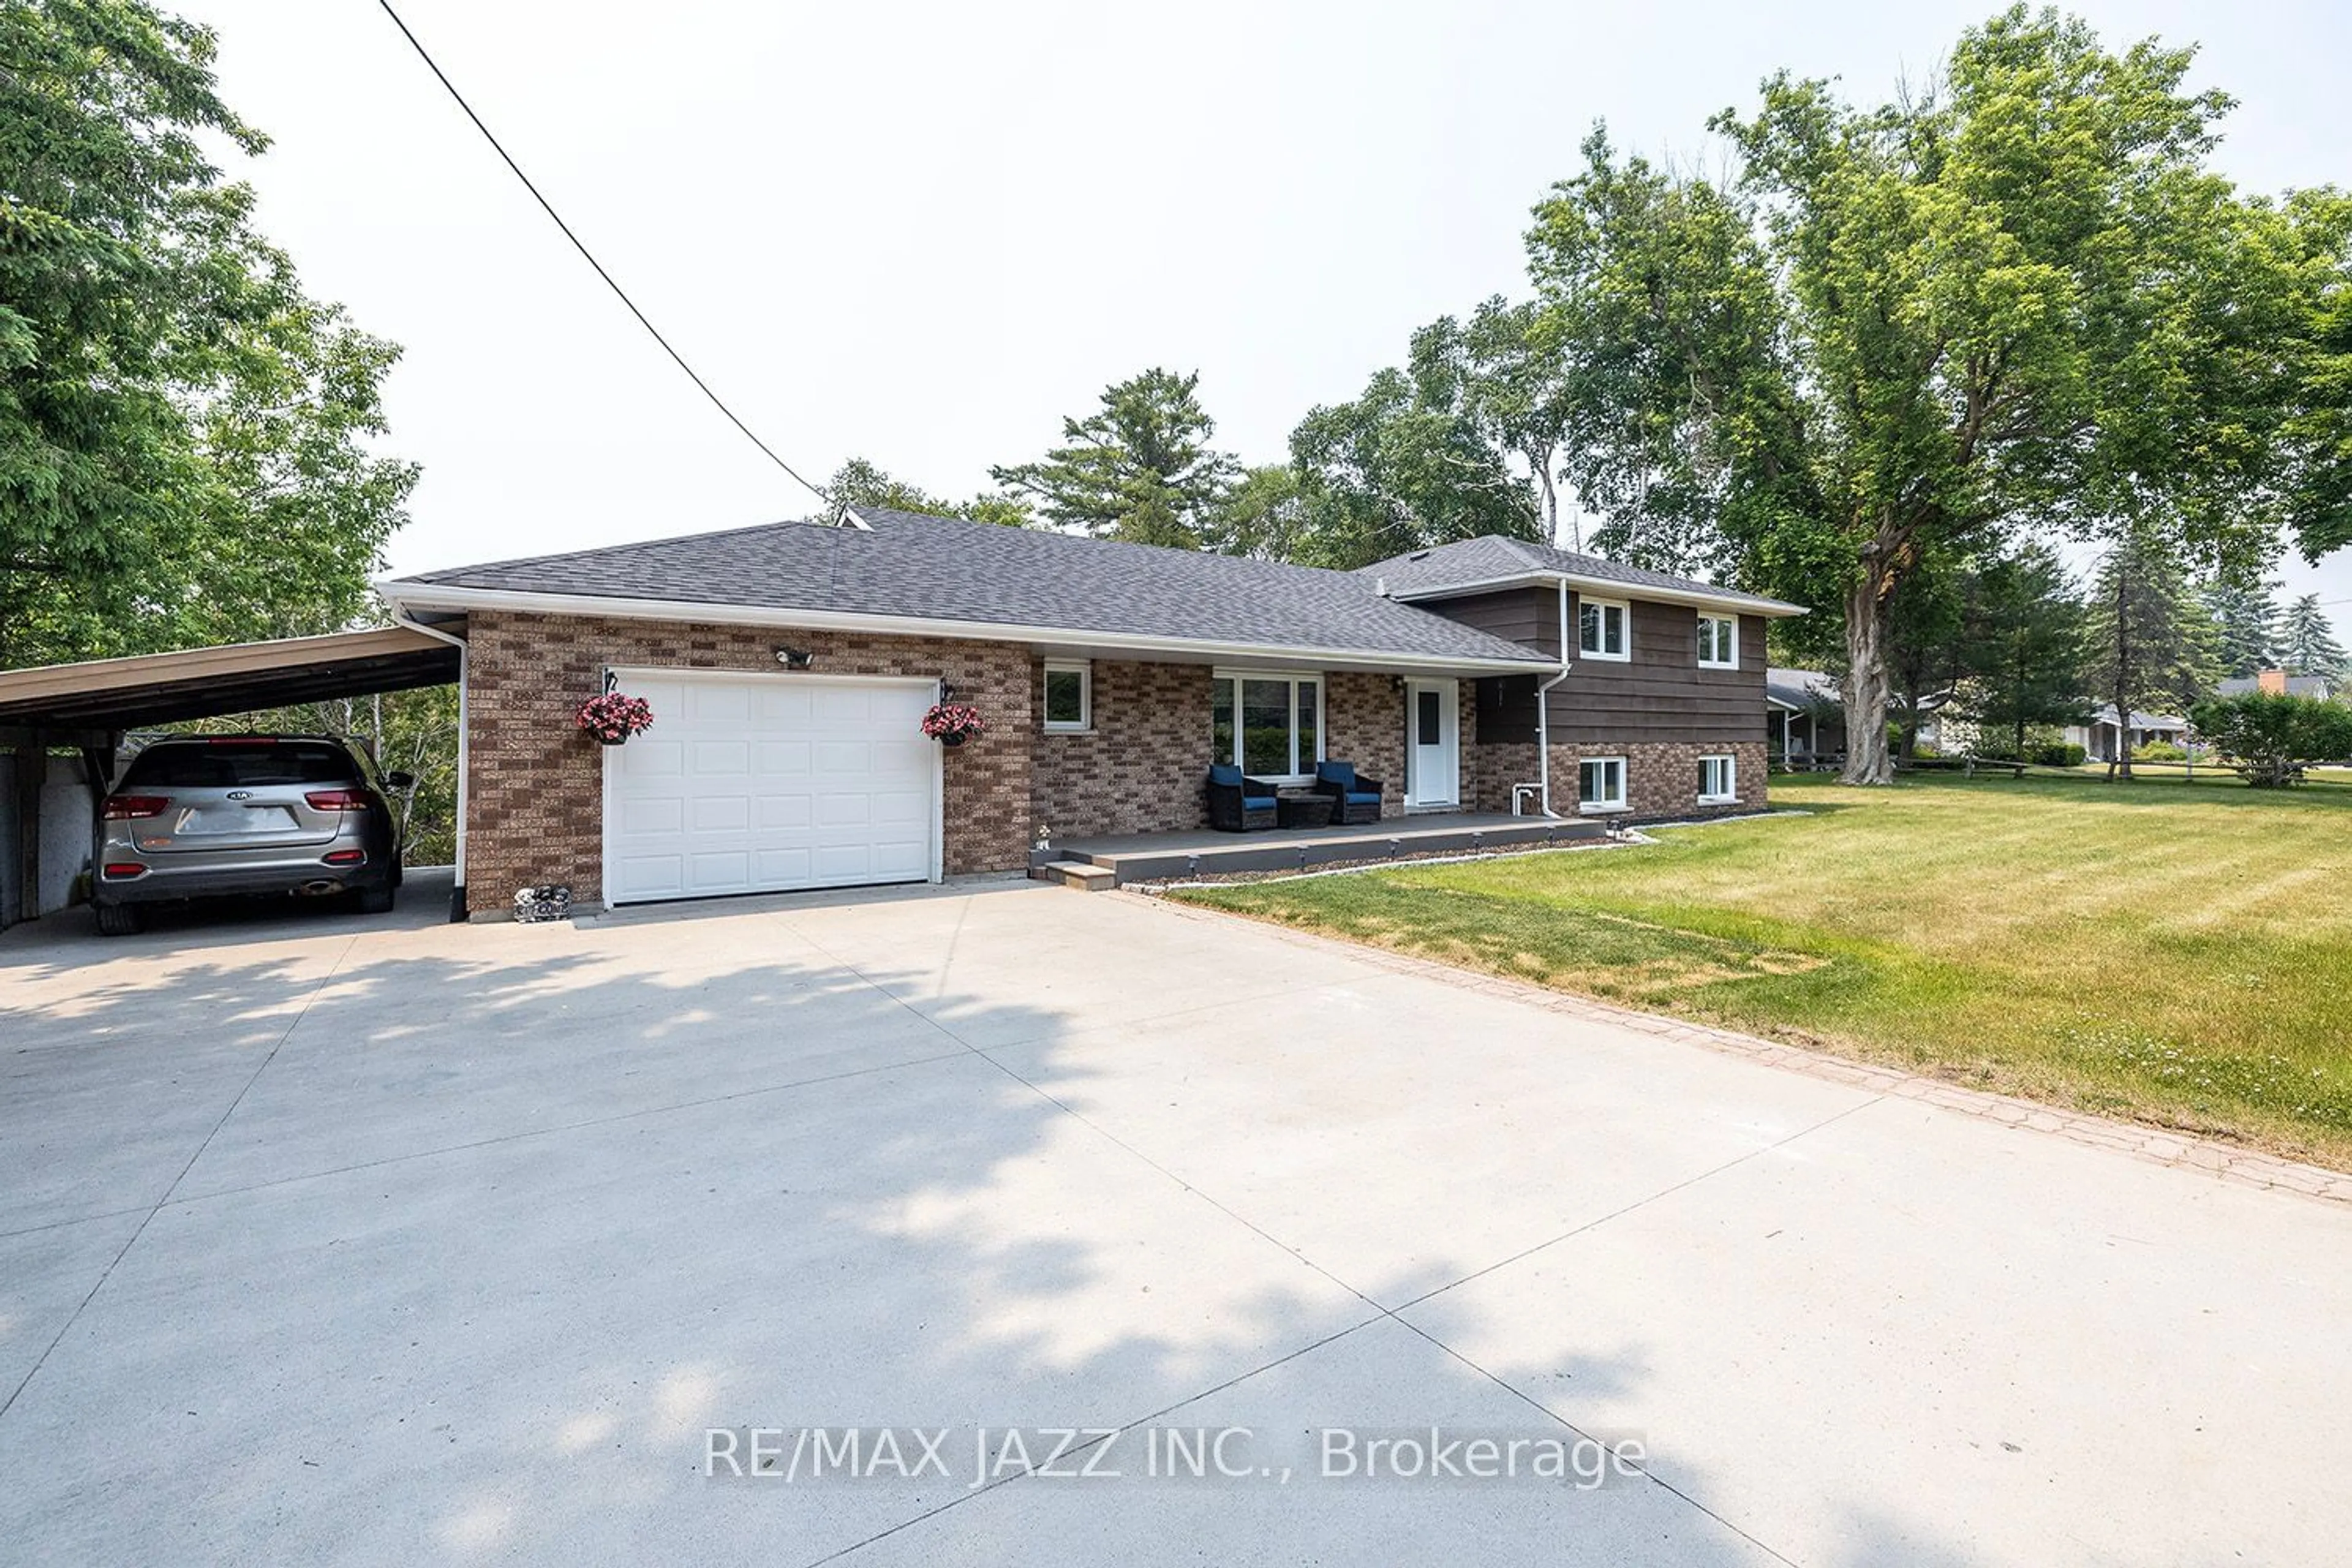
(790, 665)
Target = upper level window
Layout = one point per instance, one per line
(1069, 696)
(1718, 642)
(1602, 628)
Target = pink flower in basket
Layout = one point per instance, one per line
(613, 716)
(952, 721)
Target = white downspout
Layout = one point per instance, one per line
(465, 738)
(1543, 708)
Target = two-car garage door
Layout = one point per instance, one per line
(759, 784)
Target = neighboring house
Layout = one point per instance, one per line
(2097, 737)
(788, 667)
(2278, 683)
(1807, 721)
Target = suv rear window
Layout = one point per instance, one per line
(233, 765)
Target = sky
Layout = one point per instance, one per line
(925, 233)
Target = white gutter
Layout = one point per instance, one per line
(405, 597)
(465, 737)
(1543, 708)
(1609, 588)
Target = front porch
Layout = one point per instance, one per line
(1116, 859)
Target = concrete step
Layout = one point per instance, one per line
(1078, 874)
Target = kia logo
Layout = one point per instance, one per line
(241, 795)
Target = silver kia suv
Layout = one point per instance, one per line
(206, 815)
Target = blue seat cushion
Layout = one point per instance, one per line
(1224, 774)
(1258, 803)
(1340, 773)
(1358, 797)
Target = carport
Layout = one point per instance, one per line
(88, 708)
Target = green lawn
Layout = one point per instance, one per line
(2176, 952)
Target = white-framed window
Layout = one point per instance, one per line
(1604, 629)
(1268, 724)
(1069, 695)
(1718, 779)
(1718, 642)
(1600, 783)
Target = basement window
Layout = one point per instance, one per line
(1600, 783)
(1718, 779)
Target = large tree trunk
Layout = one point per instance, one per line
(1867, 758)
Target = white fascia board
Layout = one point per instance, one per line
(408, 598)
(1608, 588)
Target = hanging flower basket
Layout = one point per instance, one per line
(949, 723)
(612, 717)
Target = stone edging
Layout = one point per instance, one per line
(2244, 1166)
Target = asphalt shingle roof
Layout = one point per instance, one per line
(1491, 557)
(934, 568)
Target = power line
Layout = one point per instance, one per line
(619, 292)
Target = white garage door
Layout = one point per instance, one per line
(752, 784)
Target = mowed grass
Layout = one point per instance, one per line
(2173, 953)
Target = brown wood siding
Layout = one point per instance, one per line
(1661, 695)
(1526, 616)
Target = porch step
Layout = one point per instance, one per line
(1078, 874)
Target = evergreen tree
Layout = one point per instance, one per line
(2026, 655)
(1140, 469)
(2308, 644)
(2247, 622)
(2152, 645)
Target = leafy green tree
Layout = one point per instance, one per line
(2273, 739)
(2016, 299)
(184, 433)
(1503, 371)
(2321, 495)
(1139, 470)
(2308, 644)
(1399, 468)
(859, 482)
(1264, 516)
(2151, 644)
(2246, 620)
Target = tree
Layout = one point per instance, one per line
(2016, 299)
(861, 483)
(2272, 738)
(2152, 645)
(2308, 644)
(2321, 431)
(1503, 372)
(2246, 620)
(1140, 469)
(2026, 664)
(182, 431)
(1264, 516)
(1403, 466)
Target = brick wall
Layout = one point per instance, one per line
(1660, 778)
(1363, 717)
(1140, 768)
(535, 791)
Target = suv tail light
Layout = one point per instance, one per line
(120, 807)
(125, 869)
(336, 800)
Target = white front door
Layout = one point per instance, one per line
(1432, 750)
(761, 783)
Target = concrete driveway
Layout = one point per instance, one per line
(391, 1241)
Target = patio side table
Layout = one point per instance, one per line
(1304, 810)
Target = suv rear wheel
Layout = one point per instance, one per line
(119, 919)
(375, 900)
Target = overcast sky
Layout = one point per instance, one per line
(923, 233)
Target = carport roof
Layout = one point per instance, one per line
(201, 683)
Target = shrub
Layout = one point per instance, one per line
(2271, 739)
(2059, 754)
(2158, 751)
